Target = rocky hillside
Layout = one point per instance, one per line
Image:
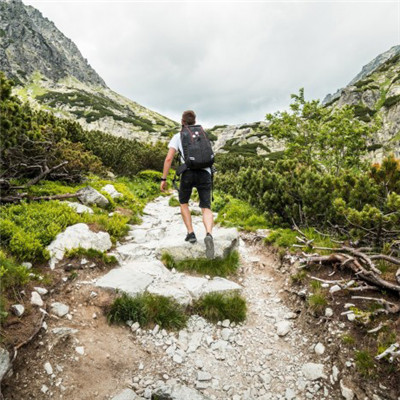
(246, 139)
(52, 74)
(375, 90)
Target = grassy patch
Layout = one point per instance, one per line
(348, 339)
(173, 202)
(237, 213)
(148, 310)
(288, 237)
(97, 256)
(364, 363)
(299, 277)
(317, 301)
(218, 306)
(12, 274)
(215, 267)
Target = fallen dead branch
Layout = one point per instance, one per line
(389, 306)
(393, 351)
(22, 196)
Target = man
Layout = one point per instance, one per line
(200, 179)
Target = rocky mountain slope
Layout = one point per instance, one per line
(375, 90)
(52, 74)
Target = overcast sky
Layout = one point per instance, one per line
(232, 62)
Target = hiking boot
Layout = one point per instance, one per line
(209, 241)
(191, 238)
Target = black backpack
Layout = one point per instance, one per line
(197, 150)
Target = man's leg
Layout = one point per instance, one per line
(186, 216)
(208, 219)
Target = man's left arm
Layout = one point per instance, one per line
(167, 166)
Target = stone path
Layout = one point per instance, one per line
(264, 358)
(162, 231)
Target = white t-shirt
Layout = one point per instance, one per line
(176, 143)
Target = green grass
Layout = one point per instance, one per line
(148, 310)
(99, 257)
(348, 339)
(173, 202)
(215, 267)
(12, 274)
(317, 301)
(237, 213)
(219, 306)
(283, 237)
(364, 363)
(299, 277)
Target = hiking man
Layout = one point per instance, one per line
(193, 176)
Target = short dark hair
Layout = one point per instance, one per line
(189, 117)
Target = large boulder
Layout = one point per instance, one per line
(89, 195)
(133, 278)
(78, 235)
(225, 241)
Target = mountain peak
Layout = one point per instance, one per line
(30, 42)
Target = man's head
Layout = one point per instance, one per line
(188, 117)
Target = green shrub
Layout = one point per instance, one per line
(219, 306)
(12, 274)
(215, 267)
(27, 228)
(173, 202)
(148, 309)
(364, 363)
(238, 213)
(116, 225)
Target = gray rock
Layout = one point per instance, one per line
(5, 362)
(328, 312)
(334, 289)
(203, 376)
(18, 309)
(127, 279)
(41, 291)
(59, 309)
(226, 323)
(313, 371)
(110, 189)
(48, 368)
(36, 300)
(78, 235)
(27, 265)
(319, 348)
(283, 327)
(126, 394)
(78, 207)
(177, 392)
(290, 394)
(347, 393)
(89, 196)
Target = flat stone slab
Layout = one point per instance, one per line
(127, 394)
(226, 240)
(127, 279)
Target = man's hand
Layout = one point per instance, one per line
(163, 186)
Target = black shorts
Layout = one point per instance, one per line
(201, 180)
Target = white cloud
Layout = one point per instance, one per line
(230, 61)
